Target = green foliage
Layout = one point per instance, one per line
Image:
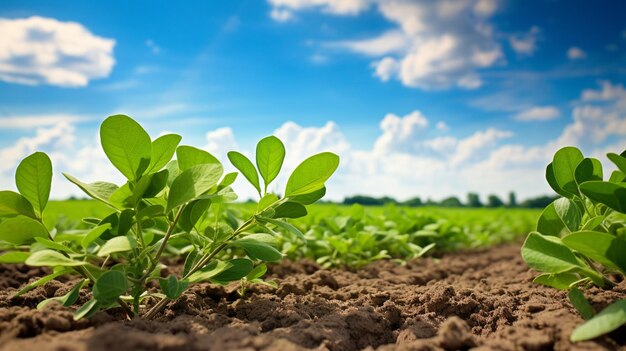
(165, 208)
(311, 174)
(33, 179)
(580, 238)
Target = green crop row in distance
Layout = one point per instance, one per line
(165, 207)
(580, 238)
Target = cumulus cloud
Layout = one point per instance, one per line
(35, 121)
(434, 45)
(39, 50)
(220, 141)
(525, 44)
(538, 113)
(575, 53)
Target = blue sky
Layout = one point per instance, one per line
(419, 98)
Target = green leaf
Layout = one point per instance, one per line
(157, 183)
(310, 198)
(117, 244)
(89, 308)
(151, 211)
(163, 149)
(41, 281)
(126, 144)
(172, 288)
(258, 272)
(593, 223)
(568, 213)
(100, 191)
(311, 174)
(561, 281)
(173, 170)
(192, 213)
(209, 271)
(617, 177)
(588, 169)
(564, 165)
(239, 268)
(51, 258)
(189, 156)
(94, 234)
(290, 210)
(191, 259)
(551, 178)
(601, 247)
(14, 257)
(21, 230)
(259, 250)
(66, 300)
(610, 194)
(47, 243)
(287, 226)
(609, 319)
(266, 201)
(33, 178)
(109, 287)
(270, 154)
(619, 161)
(581, 304)
(13, 204)
(228, 180)
(549, 222)
(548, 254)
(245, 166)
(192, 183)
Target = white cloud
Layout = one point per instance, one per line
(38, 50)
(58, 136)
(281, 15)
(434, 45)
(525, 43)
(343, 7)
(37, 121)
(400, 133)
(538, 113)
(220, 141)
(393, 41)
(575, 53)
(608, 92)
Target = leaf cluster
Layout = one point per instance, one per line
(580, 238)
(167, 207)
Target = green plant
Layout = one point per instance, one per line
(165, 208)
(581, 237)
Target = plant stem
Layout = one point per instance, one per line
(169, 232)
(203, 261)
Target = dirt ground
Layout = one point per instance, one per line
(481, 300)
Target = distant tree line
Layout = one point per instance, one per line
(473, 201)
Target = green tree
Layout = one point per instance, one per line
(494, 201)
(512, 199)
(473, 200)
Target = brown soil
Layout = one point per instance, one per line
(474, 300)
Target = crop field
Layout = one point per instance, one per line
(171, 249)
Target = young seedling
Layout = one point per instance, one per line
(166, 207)
(581, 237)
